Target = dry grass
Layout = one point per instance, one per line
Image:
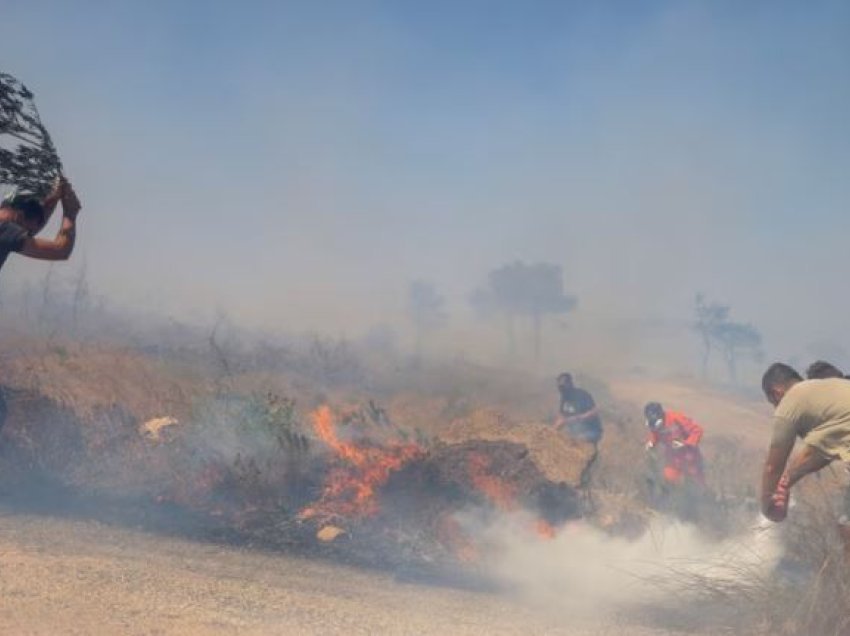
(808, 593)
(90, 380)
(94, 398)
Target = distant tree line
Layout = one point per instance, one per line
(511, 293)
(520, 291)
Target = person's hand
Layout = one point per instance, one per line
(779, 501)
(782, 495)
(649, 446)
(56, 190)
(70, 202)
(53, 197)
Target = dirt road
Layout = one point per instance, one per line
(62, 576)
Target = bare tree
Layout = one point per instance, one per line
(735, 339)
(720, 333)
(530, 291)
(220, 356)
(426, 309)
(710, 315)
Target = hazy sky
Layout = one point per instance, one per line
(297, 163)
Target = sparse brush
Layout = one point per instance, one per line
(332, 362)
(807, 593)
(258, 441)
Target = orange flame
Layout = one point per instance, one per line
(501, 493)
(545, 529)
(452, 536)
(351, 487)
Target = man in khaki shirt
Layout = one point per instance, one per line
(816, 411)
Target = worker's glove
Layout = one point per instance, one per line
(677, 443)
(649, 446)
(779, 501)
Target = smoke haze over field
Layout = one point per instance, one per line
(297, 164)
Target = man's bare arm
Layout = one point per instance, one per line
(809, 460)
(774, 466)
(578, 417)
(586, 415)
(60, 248)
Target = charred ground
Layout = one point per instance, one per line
(116, 431)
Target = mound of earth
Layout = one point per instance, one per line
(499, 474)
(559, 457)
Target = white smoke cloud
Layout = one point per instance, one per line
(584, 573)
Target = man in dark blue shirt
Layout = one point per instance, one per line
(579, 417)
(578, 414)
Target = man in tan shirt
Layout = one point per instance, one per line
(816, 411)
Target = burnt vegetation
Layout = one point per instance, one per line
(221, 428)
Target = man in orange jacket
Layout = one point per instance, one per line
(679, 436)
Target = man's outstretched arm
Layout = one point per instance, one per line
(584, 415)
(693, 431)
(774, 466)
(60, 248)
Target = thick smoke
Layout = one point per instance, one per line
(585, 573)
(653, 154)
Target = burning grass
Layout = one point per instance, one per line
(415, 480)
(349, 478)
(350, 490)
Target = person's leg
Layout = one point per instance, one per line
(580, 431)
(695, 468)
(673, 472)
(584, 479)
